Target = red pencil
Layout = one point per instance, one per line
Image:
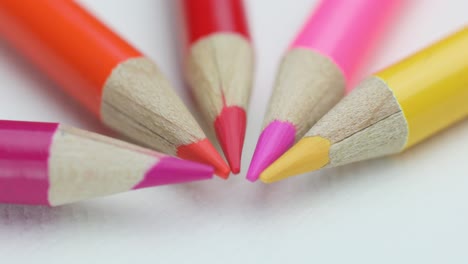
(219, 68)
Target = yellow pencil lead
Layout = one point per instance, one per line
(309, 154)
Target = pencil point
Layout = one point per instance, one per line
(309, 154)
(171, 170)
(230, 130)
(275, 139)
(204, 152)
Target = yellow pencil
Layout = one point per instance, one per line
(388, 112)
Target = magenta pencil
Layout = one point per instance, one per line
(52, 164)
(316, 69)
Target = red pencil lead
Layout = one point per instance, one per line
(230, 130)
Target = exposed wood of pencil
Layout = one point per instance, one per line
(308, 84)
(219, 69)
(80, 162)
(366, 124)
(139, 102)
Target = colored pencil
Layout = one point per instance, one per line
(106, 74)
(52, 164)
(388, 112)
(219, 68)
(315, 71)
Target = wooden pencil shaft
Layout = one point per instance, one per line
(219, 69)
(139, 102)
(307, 85)
(368, 123)
(84, 165)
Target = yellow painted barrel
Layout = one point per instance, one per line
(431, 86)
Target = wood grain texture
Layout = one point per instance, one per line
(367, 123)
(219, 69)
(84, 165)
(308, 84)
(385, 137)
(139, 102)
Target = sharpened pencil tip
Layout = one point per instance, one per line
(309, 154)
(204, 152)
(275, 139)
(171, 170)
(230, 130)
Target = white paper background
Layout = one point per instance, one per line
(410, 208)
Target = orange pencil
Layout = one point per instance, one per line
(107, 75)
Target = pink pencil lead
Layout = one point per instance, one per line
(275, 139)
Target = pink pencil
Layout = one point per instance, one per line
(52, 164)
(316, 70)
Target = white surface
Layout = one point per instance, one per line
(410, 208)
